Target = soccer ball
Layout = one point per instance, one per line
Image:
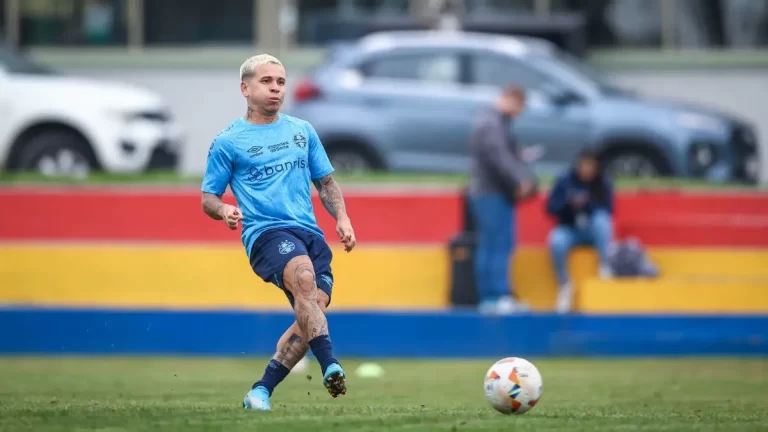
(513, 385)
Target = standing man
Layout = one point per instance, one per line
(499, 179)
(269, 159)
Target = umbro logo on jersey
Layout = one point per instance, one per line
(255, 151)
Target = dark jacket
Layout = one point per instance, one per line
(496, 167)
(600, 193)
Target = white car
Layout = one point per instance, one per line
(66, 126)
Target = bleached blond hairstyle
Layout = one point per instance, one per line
(248, 69)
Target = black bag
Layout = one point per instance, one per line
(461, 250)
(462, 254)
(629, 259)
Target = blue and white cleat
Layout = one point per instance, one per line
(334, 380)
(257, 399)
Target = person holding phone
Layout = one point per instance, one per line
(581, 202)
(499, 179)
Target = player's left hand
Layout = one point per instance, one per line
(346, 233)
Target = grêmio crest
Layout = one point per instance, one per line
(300, 140)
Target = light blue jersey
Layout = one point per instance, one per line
(269, 169)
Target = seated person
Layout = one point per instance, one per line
(581, 201)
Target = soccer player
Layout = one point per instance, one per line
(269, 159)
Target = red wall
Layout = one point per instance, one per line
(658, 218)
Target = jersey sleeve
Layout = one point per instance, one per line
(218, 168)
(319, 164)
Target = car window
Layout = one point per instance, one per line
(498, 71)
(438, 68)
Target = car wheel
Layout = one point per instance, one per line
(57, 153)
(350, 161)
(632, 164)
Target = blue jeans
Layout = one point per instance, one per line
(599, 233)
(494, 221)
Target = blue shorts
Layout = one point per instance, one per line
(274, 248)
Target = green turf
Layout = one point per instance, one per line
(367, 179)
(116, 394)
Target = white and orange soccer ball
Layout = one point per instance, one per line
(513, 385)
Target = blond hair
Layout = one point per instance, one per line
(248, 68)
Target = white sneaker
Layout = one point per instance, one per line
(605, 272)
(503, 306)
(487, 308)
(564, 299)
(508, 305)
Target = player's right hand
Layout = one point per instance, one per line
(526, 189)
(231, 215)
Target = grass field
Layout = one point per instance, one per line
(117, 394)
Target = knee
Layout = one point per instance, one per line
(559, 240)
(602, 223)
(305, 280)
(299, 277)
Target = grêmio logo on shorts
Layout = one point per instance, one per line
(259, 173)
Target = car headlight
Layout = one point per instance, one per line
(699, 122)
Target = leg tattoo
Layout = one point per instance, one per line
(311, 320)
(291, 350)
(309, 316)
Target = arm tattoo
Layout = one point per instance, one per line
(211, 205)
(330, 195)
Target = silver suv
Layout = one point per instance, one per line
(405, 101)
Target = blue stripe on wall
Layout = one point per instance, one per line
(378, 334)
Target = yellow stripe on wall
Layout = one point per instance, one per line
(673, 296)
(180, 277)
(209, 277)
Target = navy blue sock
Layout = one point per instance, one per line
(273, 375)
(323, 351)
